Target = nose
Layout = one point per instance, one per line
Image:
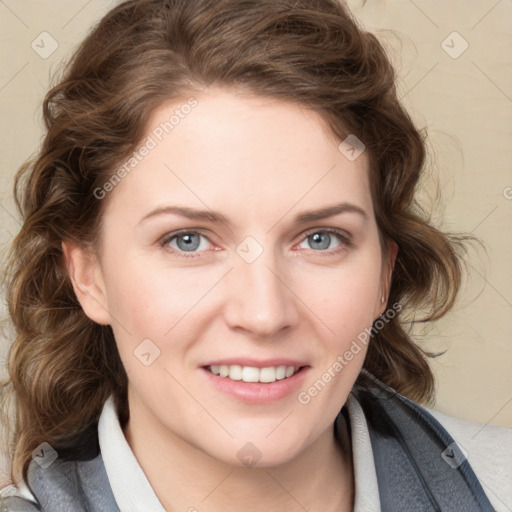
(259, 301)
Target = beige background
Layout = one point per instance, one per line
(464, 99)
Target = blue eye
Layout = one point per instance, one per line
(323, 240)
(187, 242)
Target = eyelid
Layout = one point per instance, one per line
(345, 237)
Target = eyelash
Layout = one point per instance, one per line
(346, 241)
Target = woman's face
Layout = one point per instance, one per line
(241, 239)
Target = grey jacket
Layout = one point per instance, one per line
(419, 466)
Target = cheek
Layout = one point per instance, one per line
(343, 298)
(150, 298)
(171, 307)
(153, 326)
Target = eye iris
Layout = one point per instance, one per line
(188, 242)
(320, 241)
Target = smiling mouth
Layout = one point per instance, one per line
(267, 375)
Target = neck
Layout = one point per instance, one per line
(185, 478)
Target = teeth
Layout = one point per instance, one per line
(280, 372)
(267, 375)
(253, 374)
(250, 374)
(235, 372)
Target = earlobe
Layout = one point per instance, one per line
(86, 277)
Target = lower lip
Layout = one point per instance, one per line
(258, 392)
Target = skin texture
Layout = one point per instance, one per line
(259, 163)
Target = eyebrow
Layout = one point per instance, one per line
(218, 218)
(189, 213)
(331, 211)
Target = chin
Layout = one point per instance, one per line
(260, 452)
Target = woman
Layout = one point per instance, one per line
(220, 239)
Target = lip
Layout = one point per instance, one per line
(248, 361)
(257, 392)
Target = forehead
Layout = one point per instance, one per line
(227, 149)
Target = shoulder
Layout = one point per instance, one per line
(64, 485)
(475, 464)
(13, 499)
(14, 504)
(488, 449)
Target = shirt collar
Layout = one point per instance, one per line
(365, 475)
(129, 484)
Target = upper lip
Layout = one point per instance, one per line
(256, 363)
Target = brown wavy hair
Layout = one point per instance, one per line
(62, 365)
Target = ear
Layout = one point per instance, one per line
(387, 274)
(86, 277)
